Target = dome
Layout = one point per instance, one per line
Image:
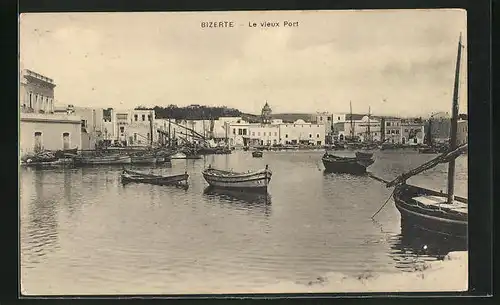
(266, 113)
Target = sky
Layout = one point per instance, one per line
(397, 62)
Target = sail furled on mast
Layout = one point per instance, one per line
(454, 124)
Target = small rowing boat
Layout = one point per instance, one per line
(129, 176)
(252, 181)
(349, 165)
(257, 154)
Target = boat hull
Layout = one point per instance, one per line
(431, 220)
(103, 160)
(347, 165)
(258, 181)
(143, 160)
(135, 177)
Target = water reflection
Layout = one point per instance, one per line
(415, 246)
(250, 201)
(39, 237)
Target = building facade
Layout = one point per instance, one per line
(39, 127)
(363, 129)
(36, 92)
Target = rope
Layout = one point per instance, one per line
(380, 209)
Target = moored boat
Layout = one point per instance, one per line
(143, 159)
(129, 176)
(257, 154)
(428, 210)
(364, 155)
(102, 160)
(349, 165)
(252, 181)
(43, 164)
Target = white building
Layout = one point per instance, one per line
(40, 128)
(130, 127)
(364, 129)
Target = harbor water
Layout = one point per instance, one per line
(83, 232)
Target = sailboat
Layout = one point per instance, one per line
(428, 210)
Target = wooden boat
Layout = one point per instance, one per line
(349, 165)
(143, 159)
(42, 164)
(428, 150)
(129, 176)
(364, 155)
(181, 155)
(252, 181)
(66, 152)
(257, 154)
(429, 210)
(102, 160)
(436, 212)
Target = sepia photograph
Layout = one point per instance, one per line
(243, 152)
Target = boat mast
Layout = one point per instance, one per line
(151, 127)
(352, 123)
(453, 127)
(169, 135)
(369, 123)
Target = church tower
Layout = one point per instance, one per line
(266, 114)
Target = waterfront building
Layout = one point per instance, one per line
(362, 127)
(412, 131)
(91, 123)
(40, 127)
(440, 130)
(392, 130)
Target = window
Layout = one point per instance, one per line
(84, 123)
(310, 135)
(149, 117)
(275, 134)
(244, 132)
(388, 124)
(143, 117)
(258, 133)
(397, 131)
(321, 118)
(264, 133)
(234, 130)
(135, 117)
(240, 132)
(317, 135)
(135, 134)
(286, 136)
(338, 118)
(329, 119)
(122, 129)
(253, 133)
(406, 130)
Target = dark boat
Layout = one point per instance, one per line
(143, 159)
(428, 150)
(129, 176)
(428, 210)
(251, 181)
(66, 152)
(101, 160)
(349, 165)
(364, 155)
(257, 154)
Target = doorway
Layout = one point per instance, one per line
(66, 141)
(38, 141)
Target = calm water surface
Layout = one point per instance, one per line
(83, 232)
